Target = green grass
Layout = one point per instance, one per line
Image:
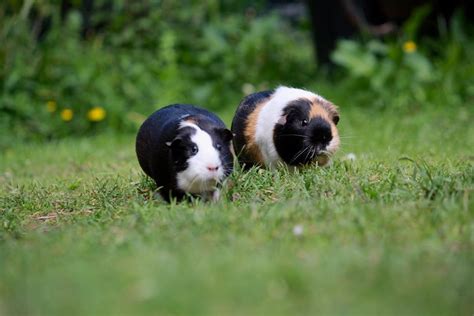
(391, 233)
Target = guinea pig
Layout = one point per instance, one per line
(287, 125)
(186, 150)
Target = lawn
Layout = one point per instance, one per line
(389, 233)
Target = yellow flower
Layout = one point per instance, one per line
(51, 106)
(96, 114)
(409, 47)
(66, 115)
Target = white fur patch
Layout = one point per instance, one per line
(197, 178)
(270, 115)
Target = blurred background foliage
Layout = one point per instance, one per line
(59, 78)
(408, 71)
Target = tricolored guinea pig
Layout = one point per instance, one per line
(287, 125)
(186, 150)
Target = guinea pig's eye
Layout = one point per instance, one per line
(304, 122)
(194, 149)
(219, 147)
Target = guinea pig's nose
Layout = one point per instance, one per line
(212, 168)
(321, 131)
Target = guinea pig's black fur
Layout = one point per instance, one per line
(288, 125)
(186, 150)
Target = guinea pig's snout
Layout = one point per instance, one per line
(212, 168)
(321, 133)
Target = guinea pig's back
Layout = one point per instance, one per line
(150, 135)
(242, 120)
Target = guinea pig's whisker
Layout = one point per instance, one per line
(293, 135)
(308, 154)
(299, 153)
(342, 151)
(302, 152)
(327, 153)
(312, 154)
(195, 178)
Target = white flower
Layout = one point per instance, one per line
(298, 230)
(351, 157)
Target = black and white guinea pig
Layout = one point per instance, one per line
(185, 149)
(287, 125)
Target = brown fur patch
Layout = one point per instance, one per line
(323, 108)
(318, 110)
(251, 148)
(190, 120)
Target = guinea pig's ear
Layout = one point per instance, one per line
(225, 134)
(176, 142)
(333, 112)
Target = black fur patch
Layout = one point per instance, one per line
(182, 148)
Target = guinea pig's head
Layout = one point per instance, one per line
(202, 156)
(306, 131)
